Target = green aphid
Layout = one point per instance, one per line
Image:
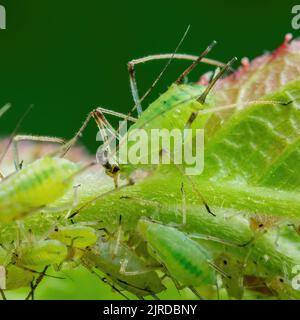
(123, 267)
(39, 254)
(17, 277)
(234, 279)
(185, 260)
(75, 235)
(35, 186)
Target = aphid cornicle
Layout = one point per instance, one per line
(38, 184)
(185, 260)
(136, 278)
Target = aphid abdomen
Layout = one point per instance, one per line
(17, 277)
(185, 260)
(41, 253)
(35, 186)
(142, 282)
(178, 101)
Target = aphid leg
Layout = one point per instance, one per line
(183, 205)
(117, 114)
(105, 156)
(90, 115)
(36, 283)
(75, 200)
(170, 57)
(218, 269)
(2, 294)
(132, 77)
(103, 279)
(108, 134)
(218, 289)
(123, 265)
(196, 293)
(19, 138)
(195, 189)
(118, 238)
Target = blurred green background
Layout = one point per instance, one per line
(66, 57)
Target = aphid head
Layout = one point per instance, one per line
(261, 223)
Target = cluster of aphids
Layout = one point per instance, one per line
(138, 263)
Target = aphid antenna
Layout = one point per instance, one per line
(203, 96)
(132, 78)
(16, 129)
(216, 239)
(195, 63)
(37, 282)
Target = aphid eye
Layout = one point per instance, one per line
(225, 262)
(281, 280)
(56, 229)
(261, 225)
(115, 169)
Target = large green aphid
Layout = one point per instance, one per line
(77, 236)
(35, 186)
(185, 260)
(123, 267)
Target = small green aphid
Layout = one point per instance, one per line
(123, 267)
(75, 235)
(234, 279)
(185, 260)
(39, 254)
(36, 185)
(17, 277)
